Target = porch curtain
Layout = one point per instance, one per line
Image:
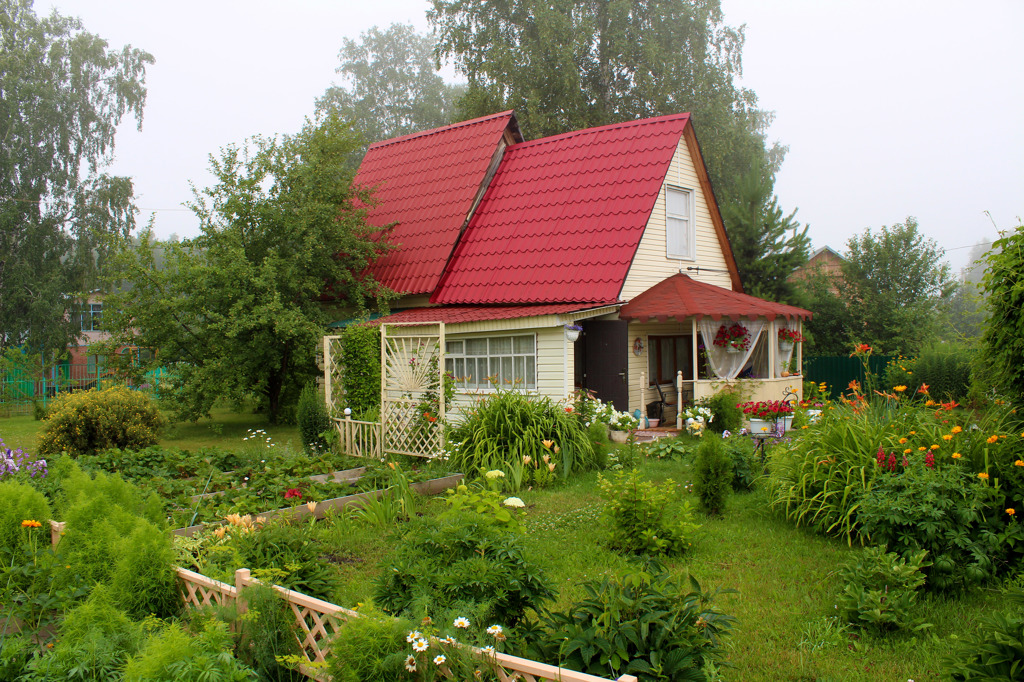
(784, 356)
(724, 364)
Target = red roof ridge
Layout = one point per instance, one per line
(599, 129)
(434, 131)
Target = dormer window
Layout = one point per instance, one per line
(679, 232)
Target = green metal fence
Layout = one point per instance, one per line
(839, 371)
(21, 389)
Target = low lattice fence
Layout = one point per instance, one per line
(319, 621)
(360, 439)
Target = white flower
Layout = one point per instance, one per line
(439, 659)
(410, 663)
(514, 502)
(494, 630)
(494, 473)
(413, 636)
(420, 645)
(489, 650)
(461, 622)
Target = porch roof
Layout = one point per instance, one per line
(458, 314)
(682, 297)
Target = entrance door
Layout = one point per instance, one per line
(605, 356)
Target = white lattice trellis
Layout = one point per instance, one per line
(412, 377)
(333, 370)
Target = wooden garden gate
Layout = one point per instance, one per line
(412, 410)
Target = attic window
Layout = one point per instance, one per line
(679, 231)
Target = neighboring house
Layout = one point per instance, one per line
(615, 229)
(826, 262)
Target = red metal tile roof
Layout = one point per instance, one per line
(459, 314)
(682, 297)
(563, 216)
(426, 183)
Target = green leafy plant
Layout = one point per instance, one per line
(370, 649)
(728, 416)
(712, 476)
(360, 355)
(464, 562)
(485, 502)
(89, 421)
(675, 449)
(173, 654)
(268, 635)
(881, 589)
(311, 414)
(644, 623)
(996, 650)
(20, 502)
(643, 517)
(507, 427)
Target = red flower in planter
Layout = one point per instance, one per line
(292, 492)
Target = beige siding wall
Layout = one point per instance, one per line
(554, 366)
(651, 263)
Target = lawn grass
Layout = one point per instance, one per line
(225, 428)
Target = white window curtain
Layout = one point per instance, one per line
(724, 364)
(784, 356)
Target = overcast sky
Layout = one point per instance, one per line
(890, 108)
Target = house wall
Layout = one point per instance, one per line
(651, 263)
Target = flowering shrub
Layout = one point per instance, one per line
(89, 421)
(768, 410)
(623, 421)
(734, 336)
(699, 413)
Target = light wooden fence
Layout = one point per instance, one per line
(319, 621)
(360, 439)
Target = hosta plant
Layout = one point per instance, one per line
(880, 590)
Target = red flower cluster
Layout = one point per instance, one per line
(766, 409)
(292, 492)
(791, 335)
(735, 335)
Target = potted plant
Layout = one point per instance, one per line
(572, 332)
(764, 415)
(733, 338)
(620, 425)
(787, 337)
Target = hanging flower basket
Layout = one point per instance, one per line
(572, 332)
(733, 338)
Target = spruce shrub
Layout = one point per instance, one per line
(313, 419)
(20, 502)
(90, 421)
(712, 476)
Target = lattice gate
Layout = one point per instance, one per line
(333, 371)
(412, 369)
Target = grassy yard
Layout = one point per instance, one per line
(784, 576)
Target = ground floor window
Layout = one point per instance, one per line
(668, 355)
(505, 361)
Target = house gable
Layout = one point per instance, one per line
(712, 256)
(562, 218)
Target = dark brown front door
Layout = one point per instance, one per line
(605, 354)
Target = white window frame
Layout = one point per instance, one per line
(678, 221)
(92, 317)
(457, 356)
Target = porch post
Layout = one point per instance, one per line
(643, 402)
(679, 399)
(693, 335)
(774, 371)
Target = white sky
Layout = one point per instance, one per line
(890, 108)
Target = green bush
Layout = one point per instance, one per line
(89, 421)
(508, 427)
(360, 357)
(712, 475)
(172, 654)
(370, 649)
(643, 517)
(95, 640)
(644, 623)
(287, 554)
(268, 635)
(313, 419)
(947, 512)
(996, 651)
(745, 464)
(947, 371)
(728, 417)
(880, 590)
(463, 562)
(21, 502)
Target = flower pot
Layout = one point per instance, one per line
(785, 346)
(618, 436)
(731, 349)
(572, 335)
(651, 423)
(761, 426)
(787, 423)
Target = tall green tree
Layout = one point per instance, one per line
(391, 85)
(62, 95)
(768, 245)
(896, 285)
(240, 309)
(1003, 337)
(569, 64)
